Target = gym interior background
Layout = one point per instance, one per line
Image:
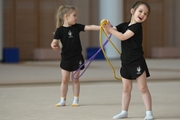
(29, 25)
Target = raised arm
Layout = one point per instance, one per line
(92, 27)
(121, 36)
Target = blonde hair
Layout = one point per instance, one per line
(61, 11)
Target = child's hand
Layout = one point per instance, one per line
(54, 45)
(104, 21)
(106, 24)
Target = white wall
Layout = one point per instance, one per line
(1, 30)
(113, 11)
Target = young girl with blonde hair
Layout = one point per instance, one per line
(68, 39)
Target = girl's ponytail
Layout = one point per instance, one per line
(61, 11)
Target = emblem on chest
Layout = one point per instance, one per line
(70, 34)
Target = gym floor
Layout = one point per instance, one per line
(29, 90)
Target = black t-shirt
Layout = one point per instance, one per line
(132, 47)
(70, 40)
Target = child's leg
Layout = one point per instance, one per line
(126, 97)
(142, 85)
(64, 87)
(76, 89)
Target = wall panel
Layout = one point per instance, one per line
(29, 24)
(1, 31)
(46, 22)
(8, 21)
(24, 28)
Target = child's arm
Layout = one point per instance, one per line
(55, 44)
(107, 32)
(117, 34)
(91, 27)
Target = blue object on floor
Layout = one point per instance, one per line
(92, 50)
(10, 55)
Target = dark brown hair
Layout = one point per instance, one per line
(136, 5)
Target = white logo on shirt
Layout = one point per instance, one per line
(70, 34)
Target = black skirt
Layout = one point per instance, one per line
(72, 64)
(135, 69)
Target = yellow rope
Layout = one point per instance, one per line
(103, 22)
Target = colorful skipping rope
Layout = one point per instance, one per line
(101, 48)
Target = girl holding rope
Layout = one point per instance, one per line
(133, 63)
(67, 33)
